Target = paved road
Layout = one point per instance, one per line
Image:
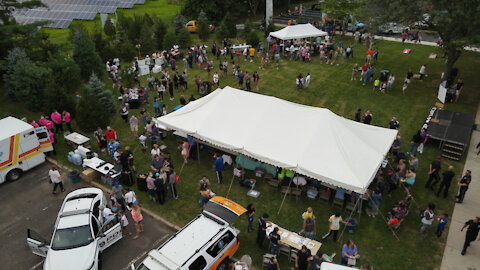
(29, 203)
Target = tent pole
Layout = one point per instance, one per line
(198, 151)
(229, 188)
(384, 219)
(351, 214)
(285, 196)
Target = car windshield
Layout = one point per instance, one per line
(72, 238)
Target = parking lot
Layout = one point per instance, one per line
(29, 203)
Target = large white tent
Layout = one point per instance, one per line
(309, 140)
(298, 31)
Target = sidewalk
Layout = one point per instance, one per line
(452, 259)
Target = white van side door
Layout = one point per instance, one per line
(37, 244)
(110, 233)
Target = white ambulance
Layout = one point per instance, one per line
(207, 242)
(22, 147)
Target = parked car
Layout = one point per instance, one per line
(80, 235)
(192, 26)
(207, 242)
(393, 28)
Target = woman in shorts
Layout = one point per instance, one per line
(138, 218)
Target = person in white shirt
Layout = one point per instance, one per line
(155, 151)
(423, 69)
(124, 222)
(215, 79)
(307, 80)
(130, 197)
(107, 213)
(56, 179)
(143, 141)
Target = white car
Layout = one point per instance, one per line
(393, 28)
(80, 234)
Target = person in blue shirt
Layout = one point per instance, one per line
(219, 167)
(441, 225)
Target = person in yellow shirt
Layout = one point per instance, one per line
(252, 54)
(334, 226)
(308, 214)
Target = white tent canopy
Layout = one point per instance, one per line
(309, 140)
(298, 31)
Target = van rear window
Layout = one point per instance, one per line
(221, 212)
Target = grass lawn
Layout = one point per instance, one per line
(162, 8)
(330, 88)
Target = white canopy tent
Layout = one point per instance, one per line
(309, 140)
(298, 31)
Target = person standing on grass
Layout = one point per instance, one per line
(391, 81)
(185, 151)
(374, 203)
(427, 218)
(134, 125)
(67, 120)
(256, 79)
(423, 70)
(138, 218)
(367, 117)
(307, 80)
(218, 165)
(124, 111)
(354, 73)
(151, 187)
(358, 115)
(250, 217)
(262, 227)
(56, 179)
(349, 251)
(394, 123)
(442, 222)
(248, 81)
(170, 89)
(447, 179)
(364, 71)
(459, 88)
(334, 226)
(57, 120)
(472, 232)
(434, 173)
(215, 79)
(464, 183)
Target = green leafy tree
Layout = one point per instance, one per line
(203, 31)
(126, 50)
(230, 25)
(14, 56)
(85, 55)
(222, 31)
(179, 23)
(253, 39)
(110, 29)
(146, 40)
(456, 22)
(159, 31)
(170, 39)
(58, 99)
(248, 28)
(341, 9)
(269, 28)
(184, 39)
(66, 73)
(96, 106)
(100, 43)
(214, 9)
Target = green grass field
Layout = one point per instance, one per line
(330, 88)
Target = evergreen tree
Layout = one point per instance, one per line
(66, 73)
(159, 31)
(96, 107)
(222, 31)
(179, 23)
(202, 22)
(170, 39)
(126, 50)
(252, 39)
(184, 39)
(110, 29)
(14, 56)
(85, 55)
(229, 22)
(146, 40)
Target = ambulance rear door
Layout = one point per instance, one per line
(44, 139)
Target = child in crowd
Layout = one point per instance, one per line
(124, 223)
(143, 141)
(441, 225)
(376, 84)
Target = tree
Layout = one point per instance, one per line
(170, 39)
(270, 28)
(96, 106)
(110, 29)
(253, 6)
(179, 23)
(85, 55)
(214, 9)
(14, 56)
(159, 31)
(203, 31)
(146, 40)
(341, 10)
(66, 73)
(455, 22)
(100, 43)
(222, 31)
(184, 39)
(230, 26)
(252, 39)
(126, 50)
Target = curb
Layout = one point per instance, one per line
(97, 185)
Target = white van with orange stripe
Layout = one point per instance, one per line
(22, 147)
(207, 242)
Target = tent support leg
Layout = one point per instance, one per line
(285, 196)
(359, 201)
(198, 151)
(230, 187)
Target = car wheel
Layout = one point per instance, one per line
(100, 261)
(224, 264)
(14, 175)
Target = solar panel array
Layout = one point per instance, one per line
(60, 13)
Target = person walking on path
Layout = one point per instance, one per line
(56, 179)
(472, 232)
(447, 179)
(138, 218)
(262, 228)
(218, 165)
(67, 120)
(434, 171)
(464, 183)
(427, 218)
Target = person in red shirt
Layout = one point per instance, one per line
(57, 120)
(364, 70)
(66, 118)
(34, 124)
(45, 122)
(369, 56)
(111, 134)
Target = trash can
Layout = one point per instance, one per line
(75, 176)
(142, 182)
(352, 226)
